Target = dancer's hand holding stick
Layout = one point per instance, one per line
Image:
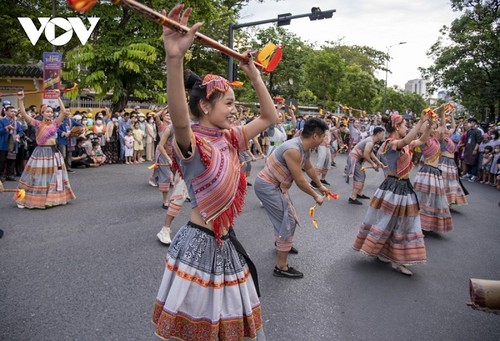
(329, 195)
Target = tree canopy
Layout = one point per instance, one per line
(467, 57)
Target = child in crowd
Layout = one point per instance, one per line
(495, 167)
(138, 145)
(129, 146)
(487, 159)
(363, 133)
(96, 154)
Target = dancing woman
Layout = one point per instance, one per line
(209, 288)
(391, 229)
(44, 178)
(434, 211)
(455, 193)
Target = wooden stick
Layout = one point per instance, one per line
(161, 19)
(12, 190)
(257, 158)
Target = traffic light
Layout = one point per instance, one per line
(317, 14)
(284, 19)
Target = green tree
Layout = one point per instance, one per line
(325, 72)
(469, 65)
(358, 88)
(125, 57)
(15, 46)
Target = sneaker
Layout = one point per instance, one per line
(333, 164)
(152, 183)
(20, 206)
(188, 199)
(70, 170)
(472, 179)
(401, 268)
(383, 259)
(313, 184)
(164, 235)
(249, 184)
(362, 196)
(324, 182)
(164, 206)
(289, 273)
(463, 177)
(355, 202)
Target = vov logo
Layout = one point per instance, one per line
(49, 26)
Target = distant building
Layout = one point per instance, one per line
(416, 86)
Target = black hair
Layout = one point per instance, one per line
(472, 119)
(9, 107)
(488, 149)
(495, 134)
(126, 114)
(314, 126)
(390, 127)
(129, 129)
(198, 93)
(377, 130)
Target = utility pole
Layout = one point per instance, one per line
(387, 71)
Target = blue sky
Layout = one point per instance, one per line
(375, 23)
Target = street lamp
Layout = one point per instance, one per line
(387, 71)
(282, 20)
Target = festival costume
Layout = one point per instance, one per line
(429, 185)
(209, 290)
(271, 187)
(324, 158)
(355, 162)
(44, 178)
(179, 195)
(391, 227)
(449, 171)
(164, 173)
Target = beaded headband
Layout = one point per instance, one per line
(396, 119)
(215, 83)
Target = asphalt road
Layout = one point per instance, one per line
(91, 270)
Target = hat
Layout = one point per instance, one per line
(77, 117)
(6, 102)
(141, 115)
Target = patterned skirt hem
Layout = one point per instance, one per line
(371, 255)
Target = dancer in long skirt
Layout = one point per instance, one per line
(363, 151)
(209, 289)
(272, 184)
(163, 158)
(44, 178)
(455, 193)
(391, 229)
(434, 210)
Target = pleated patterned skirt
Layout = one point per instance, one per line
(391, 226)
(434, 210)
(45, 180)
(454, 192)
(207, 291)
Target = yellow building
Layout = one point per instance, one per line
(15, 77)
